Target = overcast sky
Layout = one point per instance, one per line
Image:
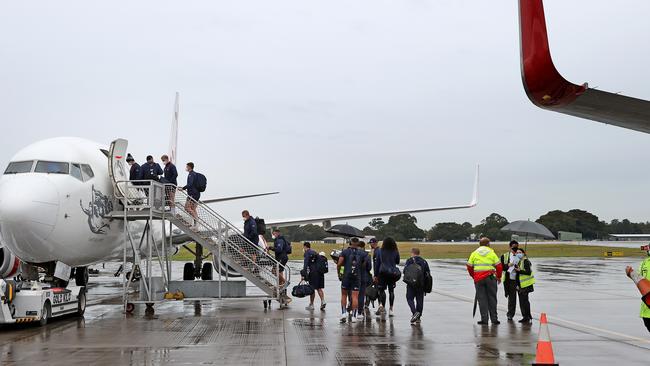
(343, 106)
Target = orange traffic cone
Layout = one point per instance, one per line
(544, 354)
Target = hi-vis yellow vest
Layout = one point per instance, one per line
(644, 271)
(526, 280)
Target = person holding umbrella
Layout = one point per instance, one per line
(509, 277)
(485, 268)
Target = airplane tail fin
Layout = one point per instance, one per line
(173, 137)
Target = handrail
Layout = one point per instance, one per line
(208, 224)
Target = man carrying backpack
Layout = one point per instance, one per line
(193, 188)
(314, 272)
(351, 260)
(282, 248)
(416, 271)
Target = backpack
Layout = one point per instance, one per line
(414, 275)
(287, 246)
(261, 226)
(355, 266)
(321, 264)
(200, 182)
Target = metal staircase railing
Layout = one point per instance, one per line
(226, 242)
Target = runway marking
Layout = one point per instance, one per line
(568, 323)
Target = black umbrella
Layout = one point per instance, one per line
(346, 230)
(526, 227)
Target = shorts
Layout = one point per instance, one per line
(316, 281)
(350, 283)
(283, 262)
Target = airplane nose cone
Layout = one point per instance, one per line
(29, 207)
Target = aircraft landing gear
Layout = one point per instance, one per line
(188, 272)
(206, 272)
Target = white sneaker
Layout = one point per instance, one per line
(353, 319)
(310, 307)
(390, 313)
(360, 318)
(344, 317)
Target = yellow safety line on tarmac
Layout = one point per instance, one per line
(557, 321)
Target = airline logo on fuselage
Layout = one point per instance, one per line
(99, 206)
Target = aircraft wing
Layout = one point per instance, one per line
(327, 219)
(547, 89)
(232, 198)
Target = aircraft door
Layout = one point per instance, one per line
(117, 166)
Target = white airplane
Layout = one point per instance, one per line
(55, 197)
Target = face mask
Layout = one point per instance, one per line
(520, 255)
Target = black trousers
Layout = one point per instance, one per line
(510, 289)
(646, 321)
(524, 304)
(415, 299)
(486, 292)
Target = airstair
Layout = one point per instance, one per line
(152, 201)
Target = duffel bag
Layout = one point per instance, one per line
(302, 290)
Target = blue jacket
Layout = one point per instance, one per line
(170, 174)
(134, 172)
(191, 189)
(280, 247)
(419, 260)
(151, 171)
(383, 258)
(250, 230)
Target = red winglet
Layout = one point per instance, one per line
(543, 83)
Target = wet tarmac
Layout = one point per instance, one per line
(592, 307)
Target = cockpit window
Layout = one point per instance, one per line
(17, 167)
(75, 171)
(87, 172)
(52, 167)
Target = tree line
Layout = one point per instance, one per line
(404, 227)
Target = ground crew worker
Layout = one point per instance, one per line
(485, 268)
(525, 282)
(644, 272)
(509, 278)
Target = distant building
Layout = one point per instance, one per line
(334, 240)
(630, 237)
(568, 236)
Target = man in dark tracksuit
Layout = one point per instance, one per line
(170, 175)
(366, 280)
(192, 192)
(150, 170)
(250, 228)
(134, 171)
(509, 284)
(413, 293)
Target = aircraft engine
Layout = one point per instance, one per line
(9, 264)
